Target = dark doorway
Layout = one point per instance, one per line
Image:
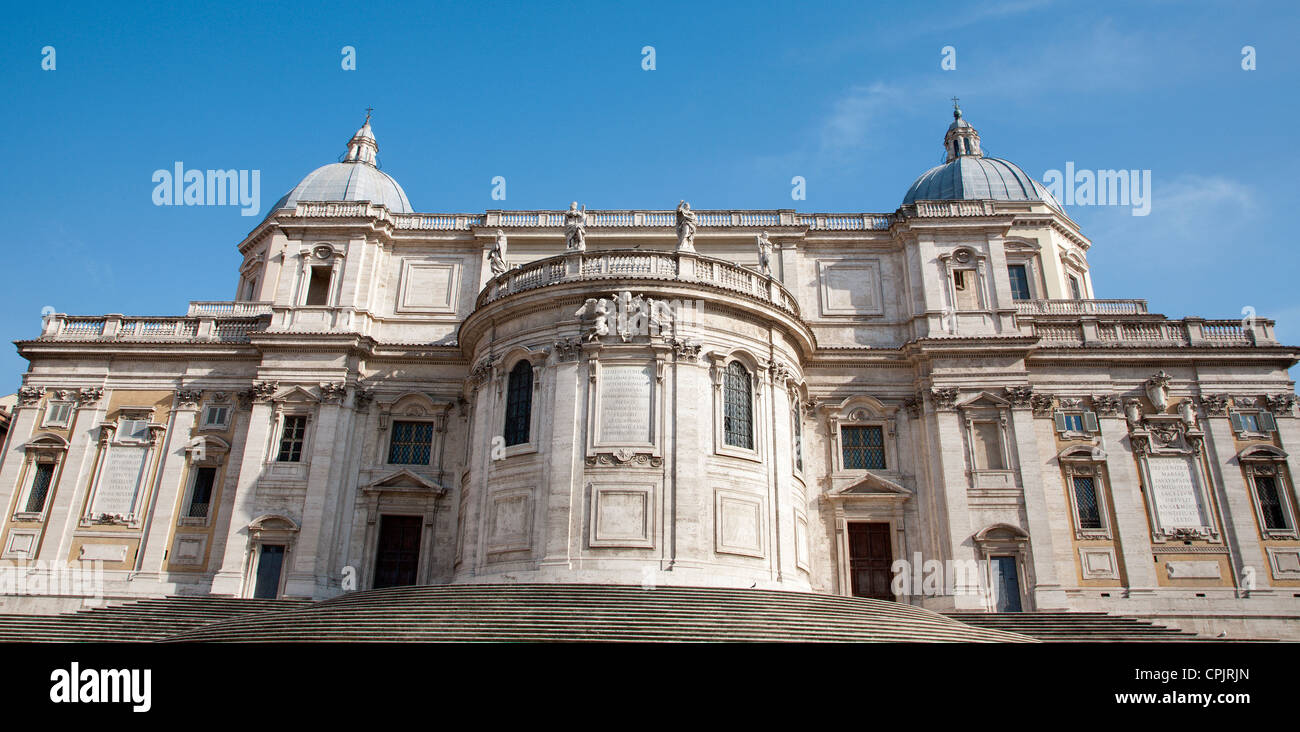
(398, 554)
(870, 559)
(269, 562)
(1006, 584)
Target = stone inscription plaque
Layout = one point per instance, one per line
(1173, 487)
(625, 401)
(123, 471)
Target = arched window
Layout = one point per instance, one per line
(737, 407)
(519, 403)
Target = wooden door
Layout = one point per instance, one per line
(397, 556)
(871, 557)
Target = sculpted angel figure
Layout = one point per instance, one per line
(764, 253)
(686, 226)
(598, 312)
(497, 256)
(575, 227)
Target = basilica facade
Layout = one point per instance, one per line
(836, 403)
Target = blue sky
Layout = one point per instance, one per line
(553, 97)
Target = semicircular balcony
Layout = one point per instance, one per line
(669, 274)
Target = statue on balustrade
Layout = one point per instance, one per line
(764, 254)
(686, 227)
(497, 257)
(575, 228)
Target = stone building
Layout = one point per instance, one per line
(926, 405)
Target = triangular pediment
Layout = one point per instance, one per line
(404, 481)
(871, 486)
(295, 394)
(983, 399)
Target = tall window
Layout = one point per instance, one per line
(737, 407)
(1085, 498)
(987, 439)
(201, 496)
(292, 437)
(318, 287)
(1075, 288)
(40, 487)
(519, 403)
(1270, 502)
(1019, 281)
(863, 447)
(410, 443)
(798, 431)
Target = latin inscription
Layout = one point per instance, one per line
(625, 400)
(1173, 487)
(123, 470)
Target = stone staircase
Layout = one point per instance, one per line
(1076, 627)
(137, 621)
(558, 612)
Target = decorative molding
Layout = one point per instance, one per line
(1157, 389)
(624, 456)
(87, 396)
(1107, 405)
(685, 350)
(566, 350)
(332, 392)
(944, 397)
(1042, 405)
(188, 398)
(29, 395)
(1021, 397)
(262, 391)
(1216, 405)
(1281, 405)
(914, 405)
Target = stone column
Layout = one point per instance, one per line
(171, 483)
(21, 430)
(302, 579)
(1043, 509)
(1132, 530)
(1236, 505)
(229, 578)
(954, 478)
(561, 529)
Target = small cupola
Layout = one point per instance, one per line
(362, 148)
(962, 139)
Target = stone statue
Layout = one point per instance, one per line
(764, 254)
(598, 312)
(686, 227)
(575, 228)
(497, 256)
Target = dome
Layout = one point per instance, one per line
(968, 174)
(357, 178)
(970, 177)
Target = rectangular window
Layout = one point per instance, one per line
(1253, 421)
(1019, 281)
(318, 287)
(987, 437)
(58, 414)
(1075, 288)
(410, 443)
(201, 496)
(963, 282)
(1085, 499)
(1270, 502)
(292, 436)
(798, 431)
(40, 487)
(863, 448)
(215, 416)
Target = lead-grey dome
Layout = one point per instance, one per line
(968, 175)
(357, 178)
